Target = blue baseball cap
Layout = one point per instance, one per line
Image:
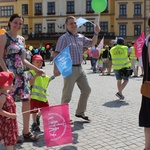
(120, 40)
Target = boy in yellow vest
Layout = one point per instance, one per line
(38, 85)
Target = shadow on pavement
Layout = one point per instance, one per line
(18, 146)
(116, 103)
(40, 142)
(78, 125)
(69, 148)
(75, 138)
(100, 74)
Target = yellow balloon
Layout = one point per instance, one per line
(30, 48)
(2, 31)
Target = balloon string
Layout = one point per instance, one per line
(98, 18)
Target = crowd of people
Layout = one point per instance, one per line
(26, 88)
(101, 60)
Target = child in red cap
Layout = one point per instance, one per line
(8, 121)
(38, 87)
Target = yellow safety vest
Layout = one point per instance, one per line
(132, 55)
(119, 55)
(101, 51)
(85, 54)
(38, 90)
(100, 61)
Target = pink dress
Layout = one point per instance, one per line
(8, 127)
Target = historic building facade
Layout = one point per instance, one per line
(45, 19)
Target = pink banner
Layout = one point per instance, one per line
(138, 45)
(56, 123)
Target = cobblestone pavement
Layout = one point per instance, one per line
(114, 123)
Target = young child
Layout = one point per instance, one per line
(38, 85)
(100, 64)
(8, 121)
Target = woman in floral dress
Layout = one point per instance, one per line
(12, 59)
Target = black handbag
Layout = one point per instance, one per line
(126, 72)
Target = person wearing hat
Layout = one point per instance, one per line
(8, 123)
(120, 60)
(106, 59)
(38, 87)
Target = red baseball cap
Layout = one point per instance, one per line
(6, 79)
(37, 57)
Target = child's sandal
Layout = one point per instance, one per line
(19, 139)
(30, 137)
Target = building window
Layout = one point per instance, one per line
(7, 11)
(25, 9)
(123, 10)
(104, 26)
(38, 28)
(122, 30)
(25, 29)
(51, 8)
(89, 27)
(88, 6)
(137, 30)
(137, 9)
(38, 8)
(51, 27)
(70, 7)
(5, 27)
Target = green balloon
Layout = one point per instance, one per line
(42, 48)
(99, 5)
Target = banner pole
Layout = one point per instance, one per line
(92, 23)
(30, 110)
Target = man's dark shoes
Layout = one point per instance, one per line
(119, 96)
(83, 117)
(141, 75)
(135, 76)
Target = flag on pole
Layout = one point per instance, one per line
(56, 123)
(63, 62)
(100, 45)
(80, 21)
(138, 45)
(116, 40)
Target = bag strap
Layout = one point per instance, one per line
(10, 37)
(147, 67)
